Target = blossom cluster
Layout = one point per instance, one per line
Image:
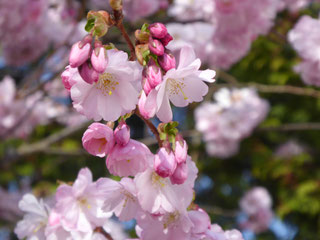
(224, 19)
(154, 189)
(304, 38)
(28, 27)
(257, 205)
(231, 118)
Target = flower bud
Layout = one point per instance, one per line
(146, 85)
(140, 49)
(88, 73)
(147, 106)
(153, 74)
(180, 174)
(164, 163)
(116, 4)
(156, 47)
(99, 59)
(158, 30)
(167, 61)
(181, 151)
(79, 54)
(98, 139)
(67, 77)
(168, 38)
(122, 134)
(142, 37)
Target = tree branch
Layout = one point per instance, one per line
(150, 125)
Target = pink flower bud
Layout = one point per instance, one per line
(79, 54)
(146, 85)
(181, 151)
(158, 30)
(180, 175)
(67, 77)
(153, 74)
(99, 59)
(164, 163)
(167, 38)
(148, 106)
(122, 134)
(98, 139)
(167, 61)
(88, 73)
(156, 47)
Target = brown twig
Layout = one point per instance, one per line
(45, 143)
(292, 127)
(103, 232)
(300, 91)
(118, 22)
(150, 125)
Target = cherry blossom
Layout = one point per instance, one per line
(114, 94)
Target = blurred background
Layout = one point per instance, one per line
(249, 47)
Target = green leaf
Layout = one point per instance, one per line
(90, 24)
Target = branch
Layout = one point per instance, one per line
(153, 129)
(103, 232)
(118, 18)
(300, 91)
(45, 143)
(292, 127)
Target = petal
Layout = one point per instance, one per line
(165, 112)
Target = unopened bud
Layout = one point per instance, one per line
(156, 47)
(153, 74)
(142, 37)
(168, 38)
(122, 134)
(158, 30)
(164, 163)
(79, 54)
(99, 59)
(167, 61)
(67, 77)
(116, 4)
(145, 83)
(88, 73)
(181, 151)
(180, 174)
(140, 49)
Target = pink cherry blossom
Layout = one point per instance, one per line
(183, 85)
(98, 139)
(80, 205)
(35, 220)
(115, 93)
(231, 118)
(130, 159)
(173, 225)
(120, 197)
(158, 195)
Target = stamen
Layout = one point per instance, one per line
(107, 83)
(176, 86)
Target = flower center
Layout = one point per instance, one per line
(157, 180)
(176, 86)
(170, 219)
(107, 83)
